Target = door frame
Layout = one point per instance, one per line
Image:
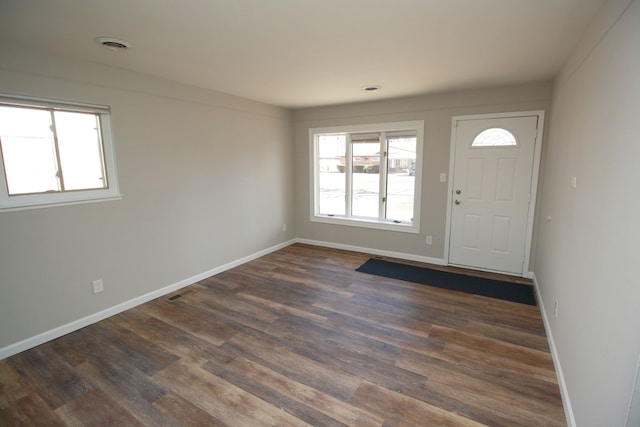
(534, 181)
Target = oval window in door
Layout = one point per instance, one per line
(494, 137)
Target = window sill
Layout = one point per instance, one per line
(367, 223)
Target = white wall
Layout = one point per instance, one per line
(206, 179)
(588, 253)
(437, 111)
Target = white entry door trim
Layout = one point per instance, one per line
(534, 181)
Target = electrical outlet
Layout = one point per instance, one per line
(98, 286)
(555, 308)
(284, 227)
(429, 240)
(443, 177)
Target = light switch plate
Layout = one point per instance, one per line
(98, 286)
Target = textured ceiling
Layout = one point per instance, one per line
(299, 53)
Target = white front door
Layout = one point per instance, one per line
(491, 192)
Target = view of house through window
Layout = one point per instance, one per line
(50, 151)
(368, 176)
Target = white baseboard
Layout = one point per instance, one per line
(391, 254)
(52, 334)
(564, 392)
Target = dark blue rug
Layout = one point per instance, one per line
(515, 292)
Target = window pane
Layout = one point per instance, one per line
(80, 150)
(331, 174)
(28, 151)
(494, 137)
(401, 179)
(54, 152)
(366, 179)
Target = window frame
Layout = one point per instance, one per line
(41, 200)
(380, 224)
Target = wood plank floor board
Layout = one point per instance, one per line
(404, 410)
(29, 410)
(127, 391)
(464, 354)
(494, 347)
(126, 366)
(409, 295)
(145, 355)
(178, 341)
(280, 309)
(503, 381)
(235, 318)
(377, 317)
(336, 383)
(297, 337)
(193, 319)
(355, 361)
(184, 413)
(334, 411)
(265, 387)
(509, 335)
(524, 322)
(374, 371)
(469, 385)
(217, 285)
(119, 372)
(335, 340)
(96, 408)
(225, 401)
(260, 311)
(13, 386)
(57, 382)
(289, 294)
(403, 340)
(410, 311)
(472, 392)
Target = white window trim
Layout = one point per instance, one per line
(43, 200)
(315, 216)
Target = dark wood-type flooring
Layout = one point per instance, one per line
(297, 337)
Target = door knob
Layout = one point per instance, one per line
(458, 191)
(457, 202)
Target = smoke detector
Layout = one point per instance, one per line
(113, 43)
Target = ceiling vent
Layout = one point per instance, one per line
(113, 43)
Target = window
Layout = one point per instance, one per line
(54, 152)
(367, 176)
(494, 137)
